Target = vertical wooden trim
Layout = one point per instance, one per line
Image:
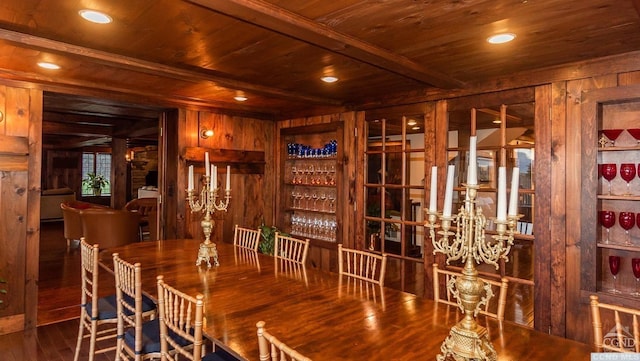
(558, 208)
(32, 249)
(542, 250)
(119, 173)
(432, 143)
(351, 157)
(359, 175)
(173, 175)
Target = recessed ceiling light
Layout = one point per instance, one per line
(416, 127)
(412, 122)
(47, 65)
(95, 16)
(329, 79)
(501, 38)
(497, 121)
(240, 98)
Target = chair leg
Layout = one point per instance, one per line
(79, 342)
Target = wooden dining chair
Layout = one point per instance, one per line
(138, 328)
(290, 248)
(272, 349)
(362, 265)
(246, 238)
(493, 307)
(181, 319)
(97, 315)
(621, 339)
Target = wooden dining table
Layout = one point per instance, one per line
(318, 313)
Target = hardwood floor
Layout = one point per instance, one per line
(59, 301)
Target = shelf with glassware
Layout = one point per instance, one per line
(310, 182)
(611, 138)
(619, 209)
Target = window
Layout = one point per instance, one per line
(100, 164)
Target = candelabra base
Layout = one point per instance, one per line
(463, 344)
(206, 253)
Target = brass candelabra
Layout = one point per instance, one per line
(208, 204)
(467, 340)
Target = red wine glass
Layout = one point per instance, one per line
(612, 135)
(614, 267)
(607, 220)
(627, 172)
(609, 172)
(627, 220)
(635, 265)
(635, 132)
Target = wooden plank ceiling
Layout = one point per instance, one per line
(160, 54)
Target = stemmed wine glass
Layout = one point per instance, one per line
(627, 172)
(609, 171)
(607, 220)
(627, 220)
(635, 266)
(614, 267)
(612, 135)
(635, 132)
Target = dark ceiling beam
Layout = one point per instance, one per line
(159, 70)
(85, 130)
(51, 84)
(284, 22)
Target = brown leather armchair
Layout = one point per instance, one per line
(71, 216)
(110, 227)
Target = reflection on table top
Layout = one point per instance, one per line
(321, 315)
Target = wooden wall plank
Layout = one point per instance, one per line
(32, 244)
(558, 210)
(17, 112)
(14, 163)
(14, 145)
(542, 250)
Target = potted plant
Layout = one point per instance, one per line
(95, 182)
(268, 234)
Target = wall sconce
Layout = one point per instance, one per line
(206, 133)
(129, 156)
(1, 116)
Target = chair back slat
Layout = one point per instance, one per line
(272, 349)
(491, 287)
(290, 248)
(246, 238)
(362, 265)
(181, 319)
(622, 315)
(128, 279)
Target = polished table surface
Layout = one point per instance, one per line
(323, 316)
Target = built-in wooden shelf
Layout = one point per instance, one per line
(241, 161)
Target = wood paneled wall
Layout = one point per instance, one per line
(252, 193)
(20, 160)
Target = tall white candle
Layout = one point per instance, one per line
(513, 197)
(190, 181)
(448, 193)
(228, 186)
(214, 177)
(472, 170)
(502, 194)
(433, 198)
(206, 164)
